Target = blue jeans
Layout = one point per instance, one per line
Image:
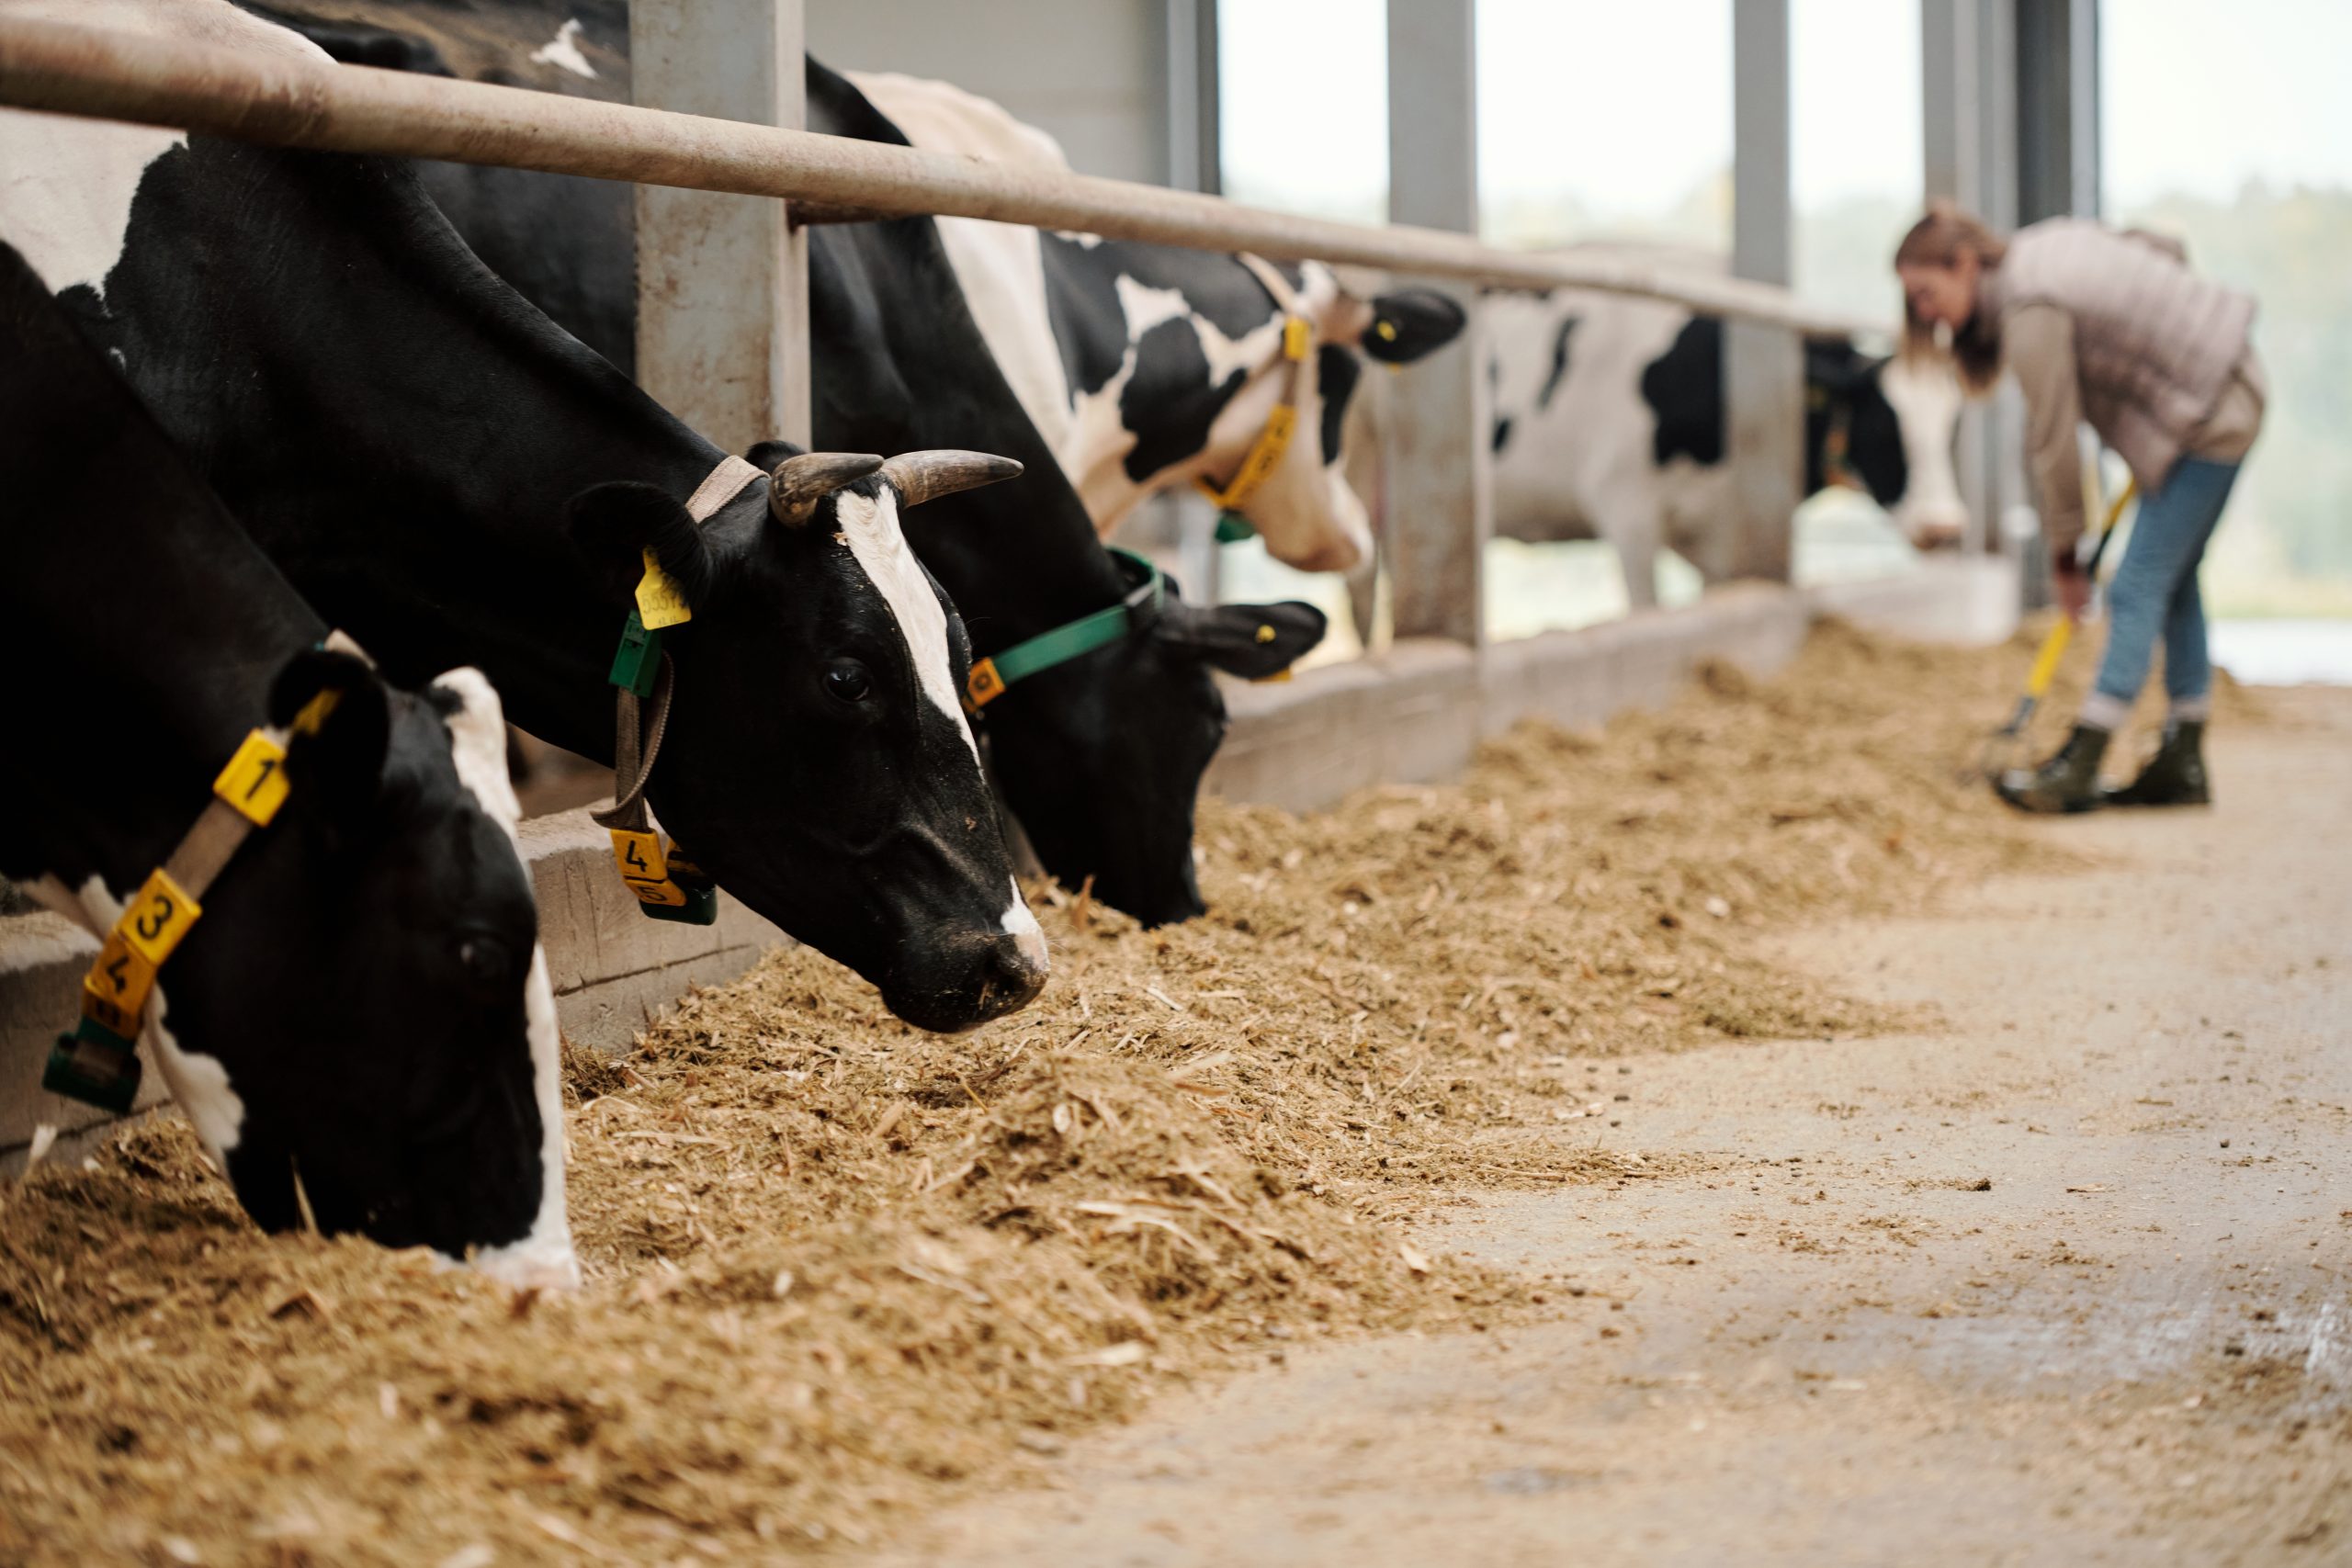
(2155, 592)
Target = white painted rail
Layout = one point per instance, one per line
(286, 102)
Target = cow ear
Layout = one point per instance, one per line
(613, 524)
(336, 750)
(766, 454)
(1411, 322)
(1249, 640)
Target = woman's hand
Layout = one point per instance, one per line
(2069, 585)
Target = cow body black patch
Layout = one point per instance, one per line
(1684, 387)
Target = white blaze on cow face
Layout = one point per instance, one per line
(1926, 397)
(1022, 926)
(477, 751)
(66, 183)
(870, 528)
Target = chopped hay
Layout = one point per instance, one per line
(837, 1268)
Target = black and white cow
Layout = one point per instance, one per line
(1610, 424)
(447, 474)
(1102, 758)
(1147, 368)
(361, 1012)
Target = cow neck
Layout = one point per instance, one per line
(433, 521)
(1017, 559)
(182, 672)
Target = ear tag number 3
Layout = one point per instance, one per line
(156, 919)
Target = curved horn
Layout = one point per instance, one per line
(799, 483)
(926, 476)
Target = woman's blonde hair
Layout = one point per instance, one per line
(1940, 239)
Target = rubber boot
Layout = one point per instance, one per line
(2175, 775)
(2068, 782)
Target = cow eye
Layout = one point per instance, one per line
(486, 962)
(847, 680)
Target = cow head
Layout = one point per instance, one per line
(1308, 514)
(1889, 422)
(1102, 758)
(361, 1021)
(815, 739)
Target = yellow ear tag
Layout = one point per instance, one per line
(157, 917)
(1265, 633)
(660, 601)
(1295, 336)
(255, 779)
(1387, 330)
(314, 712)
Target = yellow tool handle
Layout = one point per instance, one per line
(2045, 663)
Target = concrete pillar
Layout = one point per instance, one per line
(722, 290)
(1440, 493)
(1763, 366)
(1968, 96)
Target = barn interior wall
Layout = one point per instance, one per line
(1092, 73)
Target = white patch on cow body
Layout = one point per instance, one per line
(478, 745)
(66, 183)
(562, 51)
(1583, 466)
(1145, 307)
(1000, 266)
(545, 1256)
(199, 1082)
(1309, 517)
(870, 528)
(477, 751)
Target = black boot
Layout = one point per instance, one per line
(2068, 782)
(2175, 775)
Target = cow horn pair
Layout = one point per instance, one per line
(799, 483)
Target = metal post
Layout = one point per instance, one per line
(1440, 495)
(1968, 52)
(722, 281)
(2057, 109)
(1195, 147)
(1763, 366)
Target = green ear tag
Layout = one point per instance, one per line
(638, 658)
(1232, 528)
(95, 1066)
(701, 908)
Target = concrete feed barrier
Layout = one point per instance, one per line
(1414, 713)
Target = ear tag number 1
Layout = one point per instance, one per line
(254, 781)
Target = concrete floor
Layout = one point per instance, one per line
(2068, 1280)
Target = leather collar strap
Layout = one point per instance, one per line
(98, 1062)
(989, 677)
(1266, 453)
(667, 885)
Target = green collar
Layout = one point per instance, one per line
(989, 677)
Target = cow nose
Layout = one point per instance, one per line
(1016, 974)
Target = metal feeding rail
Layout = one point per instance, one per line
(293, 102)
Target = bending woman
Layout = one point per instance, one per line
(2110, 327)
